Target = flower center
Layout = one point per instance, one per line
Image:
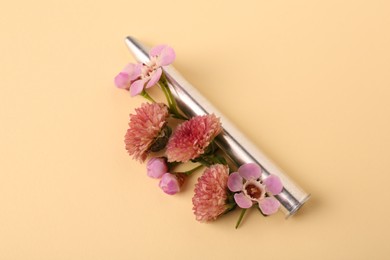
(150, 67)
(253, 191)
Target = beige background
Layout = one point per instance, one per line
(307, 81)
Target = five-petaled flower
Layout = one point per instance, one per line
(252, 188)
(137, 77)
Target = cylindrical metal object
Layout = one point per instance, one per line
(236, 146)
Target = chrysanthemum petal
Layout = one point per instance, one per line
(269, 205)
(242, 201)
(273, 184)
(235, 182)
(154, 78)
(250, 171)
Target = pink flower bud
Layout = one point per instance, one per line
(156, 167)
(170, 184)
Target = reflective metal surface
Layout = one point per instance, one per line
(236, 146)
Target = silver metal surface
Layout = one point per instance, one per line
(236, 146)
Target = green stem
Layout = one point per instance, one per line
(172, 165)
(146, 95)
(188, 173)
(240, 218)
(170, 99)
(210, 159)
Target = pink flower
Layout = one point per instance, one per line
(144, 128)
(156, 167)
(192, 137)
(128, 75)
(247, 181)
(161, 55)
(171, 183)
(210, 199)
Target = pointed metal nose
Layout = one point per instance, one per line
(139, 51)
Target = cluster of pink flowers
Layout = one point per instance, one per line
(151, 134)
(253, 188)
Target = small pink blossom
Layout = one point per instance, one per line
(210, 198)
(128, 75)
(161, 55)
(191, 138)
(156, 167)
(171, 183)
(144, 127)
(247, 181)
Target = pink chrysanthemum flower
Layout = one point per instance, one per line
(144, 128)
(192, 137)
(210, 199)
